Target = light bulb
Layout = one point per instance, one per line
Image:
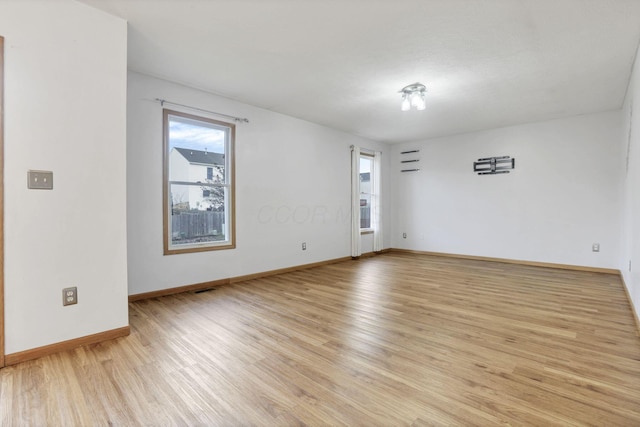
(415, 99)
(406, 104)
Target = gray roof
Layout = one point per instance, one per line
(201, 157)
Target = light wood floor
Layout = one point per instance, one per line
(397, 339)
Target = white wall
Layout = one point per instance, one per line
(562, 197)
(292, 186)
(630, 154)
(65, 99)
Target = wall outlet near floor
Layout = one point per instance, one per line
(304, 246)
(595, 247)
(404, 235)
(70, 296)
(629, 265)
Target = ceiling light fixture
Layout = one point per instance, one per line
(413, 96)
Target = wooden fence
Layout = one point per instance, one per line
(200, 226)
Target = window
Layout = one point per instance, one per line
(366, 169)
(198, 184)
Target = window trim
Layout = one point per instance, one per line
(166, 207)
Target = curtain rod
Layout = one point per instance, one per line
(365, 150)
(237, 119)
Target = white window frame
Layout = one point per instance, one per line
(228, 184)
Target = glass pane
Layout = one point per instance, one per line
(365, 211)
(198, 214)
(365, 175)
(196, 151)
(365, 192)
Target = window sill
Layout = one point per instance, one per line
(198, 248)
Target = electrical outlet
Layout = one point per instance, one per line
(629, 265)
(404, 235)
(70, 296)
(595, 247)
(304, 246)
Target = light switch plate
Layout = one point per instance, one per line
(40, 180)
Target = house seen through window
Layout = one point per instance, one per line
(198, 184)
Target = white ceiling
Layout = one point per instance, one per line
(341, 63)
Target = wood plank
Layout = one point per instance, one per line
(633, 308)
(514, 261)
(35, 353)
(178, 290)
(396, 339)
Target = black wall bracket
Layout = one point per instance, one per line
(494, 165)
